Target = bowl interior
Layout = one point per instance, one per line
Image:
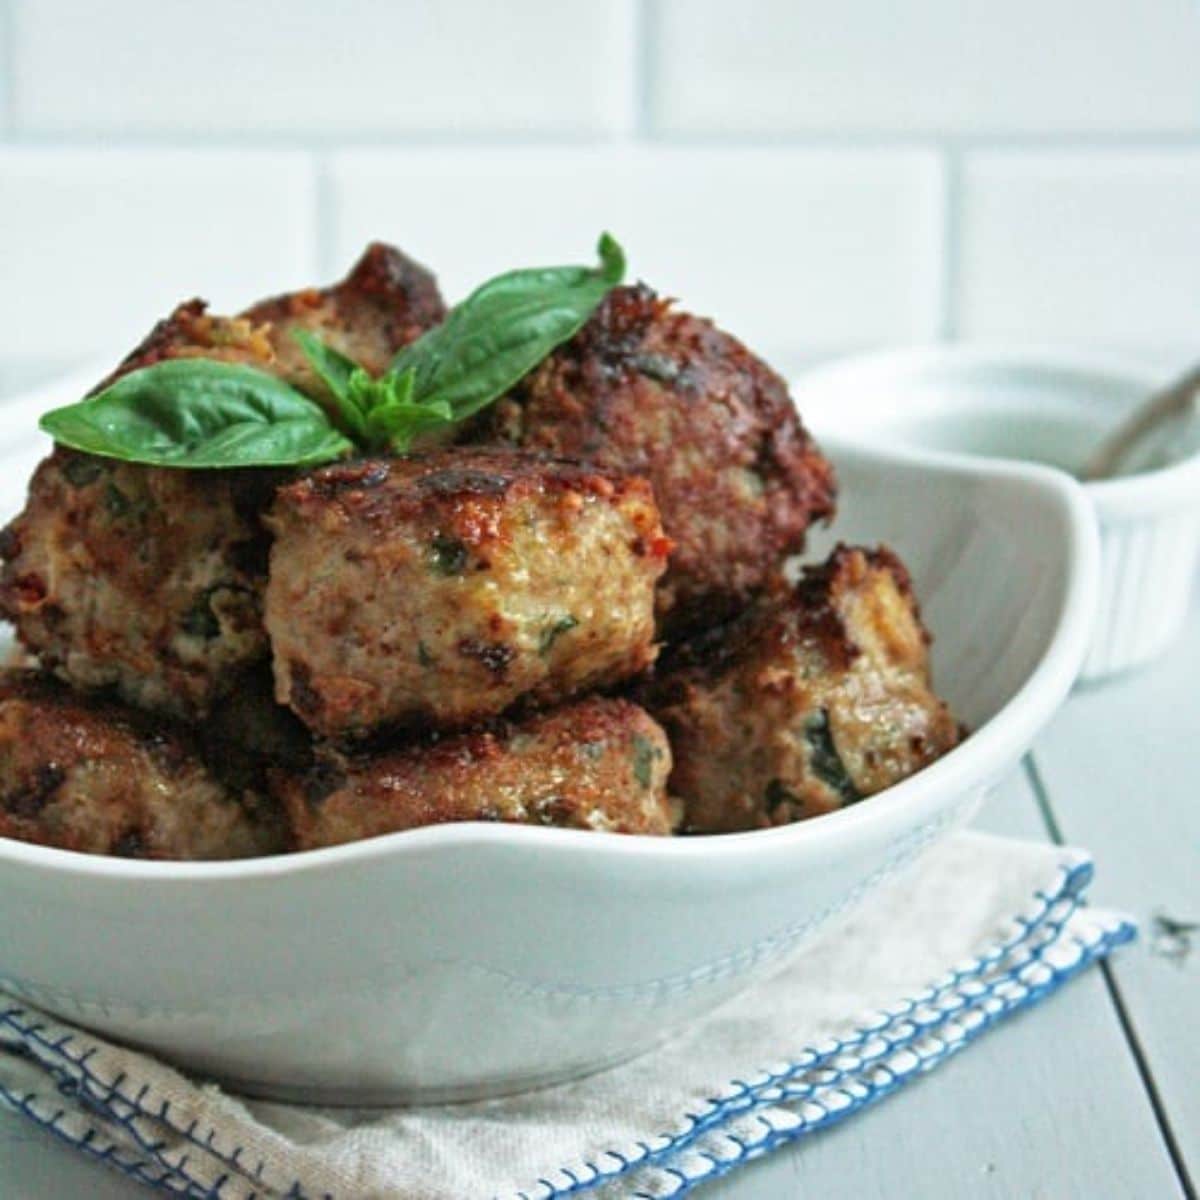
(993, 552)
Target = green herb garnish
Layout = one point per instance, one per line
(644, 754)
(449, 556)
(825, 761)
(553, 632)
(198, 413)
(201, 413)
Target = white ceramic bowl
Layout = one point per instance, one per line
(474, 959)
(1045, 406)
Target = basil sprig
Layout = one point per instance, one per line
(504, 329)
(196, 413)
(202, 413)
(377, 413)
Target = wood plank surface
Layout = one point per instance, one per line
(1121, 769)
(1047, 1105)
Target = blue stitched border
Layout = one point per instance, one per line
(873, 1092)
(1046, 918)
(139, 1169)
(101, 1099)
(858, 1094)
(1033, 933)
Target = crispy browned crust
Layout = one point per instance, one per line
(462, 486)
(443, 588)
(597, 764)
(386, 301)
(653, 391)
(89, 775)
(190, 331)
(815, 697)
(141, 579)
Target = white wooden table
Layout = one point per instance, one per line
(1094, 1094)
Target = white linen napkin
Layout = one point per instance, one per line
(977, 929)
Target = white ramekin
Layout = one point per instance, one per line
(1048, 406)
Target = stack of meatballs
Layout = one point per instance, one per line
(577, 614)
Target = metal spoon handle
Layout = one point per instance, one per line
(1162, 406)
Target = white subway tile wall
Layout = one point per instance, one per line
(960, 66)
(228, 67)
(95, 245)
(819, 177)
(792, 248)
(1084, 246)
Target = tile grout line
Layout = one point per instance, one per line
(646, 40)
(1117, 999)
(1066, 141)
(950, 281)
(233, 142)
(8, 68)
(644, 133)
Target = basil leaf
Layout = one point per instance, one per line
(338, 372)
(200, 413)
(331, 365)
(398, 424)
(504, 329)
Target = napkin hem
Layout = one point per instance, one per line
(858, 1095)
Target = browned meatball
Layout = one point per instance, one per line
(140, 579)
(85, 775)
(655, 392)
(386, 301)
(810, 701)
(444, 587)
(596, 764)
(149, 580)
(191, 331)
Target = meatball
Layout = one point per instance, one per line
(655, 392)
(191, 331)
(144, 580)
(385, 302)
(442, 588)
(149, 580)
(597, 764)
(809, 701)
(86, 775)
